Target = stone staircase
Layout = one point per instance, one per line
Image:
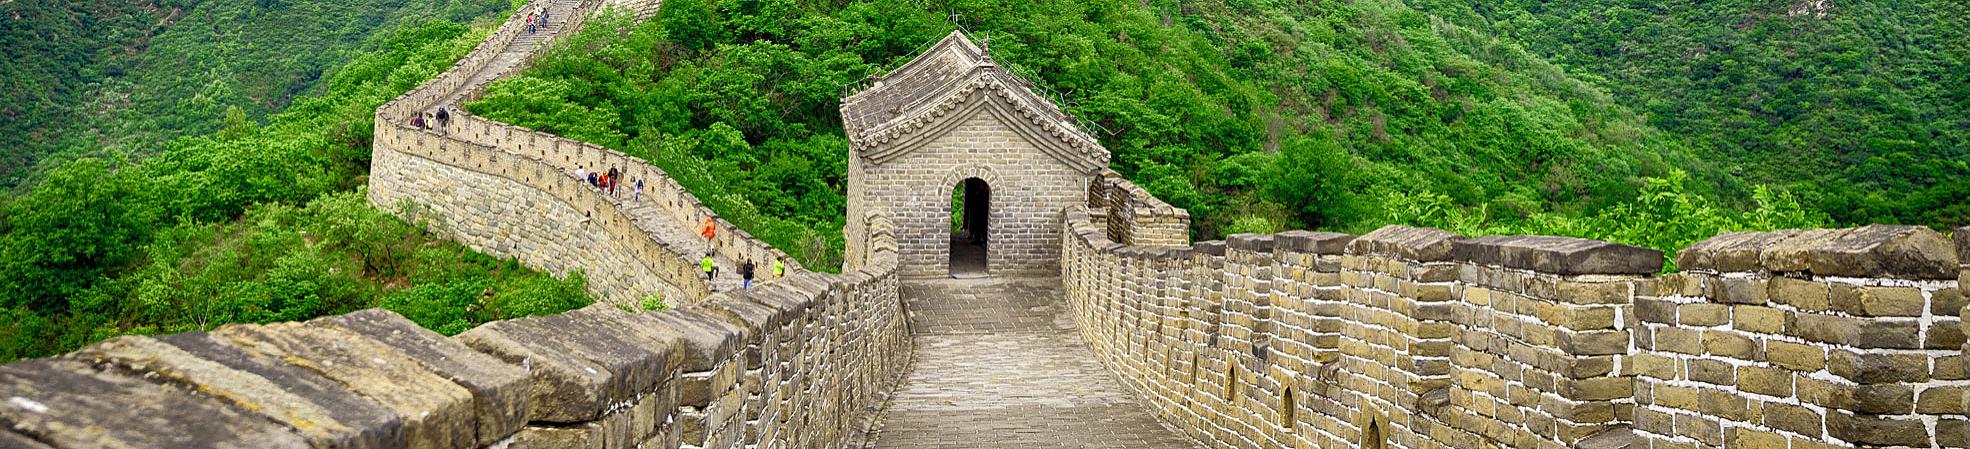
(654, 219)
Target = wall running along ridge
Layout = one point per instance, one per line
(1421, 338)
(800, 362)
(654, 245)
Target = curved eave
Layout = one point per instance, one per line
(1044, 129)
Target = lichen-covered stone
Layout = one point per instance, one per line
(580, 368)
(1314, 242)
(320, 410)
(1419, 244)
(1895, 251)
(499, 390)
(708, 340)
(1558, 255)
(1962, 238)
(68, 404)
(436, 413)
(1258, 243)
(1730, 252)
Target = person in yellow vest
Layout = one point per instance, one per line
(710, 266)
(779, 267)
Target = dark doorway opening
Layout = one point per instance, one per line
(971, 215)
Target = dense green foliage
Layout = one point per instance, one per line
(1860, 108)
(1257, 117)
(110, 77)
(251, 223)
(181, 199)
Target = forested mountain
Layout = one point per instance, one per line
(252, 222)
(1256, 116)
(199, 163)
(98, 77)
(1861, 108)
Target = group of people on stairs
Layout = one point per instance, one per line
(746, 269)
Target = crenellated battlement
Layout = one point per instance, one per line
(1422, 338)
(1404, 337)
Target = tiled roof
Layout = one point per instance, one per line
(881, 120)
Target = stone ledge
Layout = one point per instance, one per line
(499, 390)
(435, 411)
(708, 340)
(1962, 237)
(1208, 248)
(1258, 243)
(581, 363)
(1313, 242)
(1894, 251)
(320, 410)
(1558, 255)
(1418, 244)
(67, 403)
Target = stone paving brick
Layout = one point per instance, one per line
(999, 365)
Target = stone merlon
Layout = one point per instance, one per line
(1558, 255)
(1313, 242)
(1418, 244)
(1894, 251)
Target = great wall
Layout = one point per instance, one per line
(1096, 322)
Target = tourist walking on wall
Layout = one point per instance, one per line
(581, 173)
(417, 120)
(614, 177)
(779, 267)
(530, 23)
(745, 272)
(639, 190)
(710, 267)
(444, 118)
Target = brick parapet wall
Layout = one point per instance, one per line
(1434, 340)
(1823, 338)
(508, 206)
(796, 363)
(1132, 216)
(1962, 237)
(663, 238)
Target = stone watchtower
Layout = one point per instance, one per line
(952, 130)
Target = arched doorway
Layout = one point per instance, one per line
(971, 212)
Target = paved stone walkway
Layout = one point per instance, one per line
(999, 365)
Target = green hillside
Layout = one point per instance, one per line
(1862, 108)
(253, 222)
(1256, 116)
(102, 77)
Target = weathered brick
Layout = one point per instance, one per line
(1795, 356)
(1765, 380)
(1871, 430)
(1737, 290)
(1733, 345)
(1942, 400)
(1805, 294)
(1877, 368)
(1760, 319)
(1703, 314)
(1793, 418)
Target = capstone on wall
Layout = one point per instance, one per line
(798, 363)
(1420, 338)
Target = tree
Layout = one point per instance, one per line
(84, 220)
(1313, 175)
